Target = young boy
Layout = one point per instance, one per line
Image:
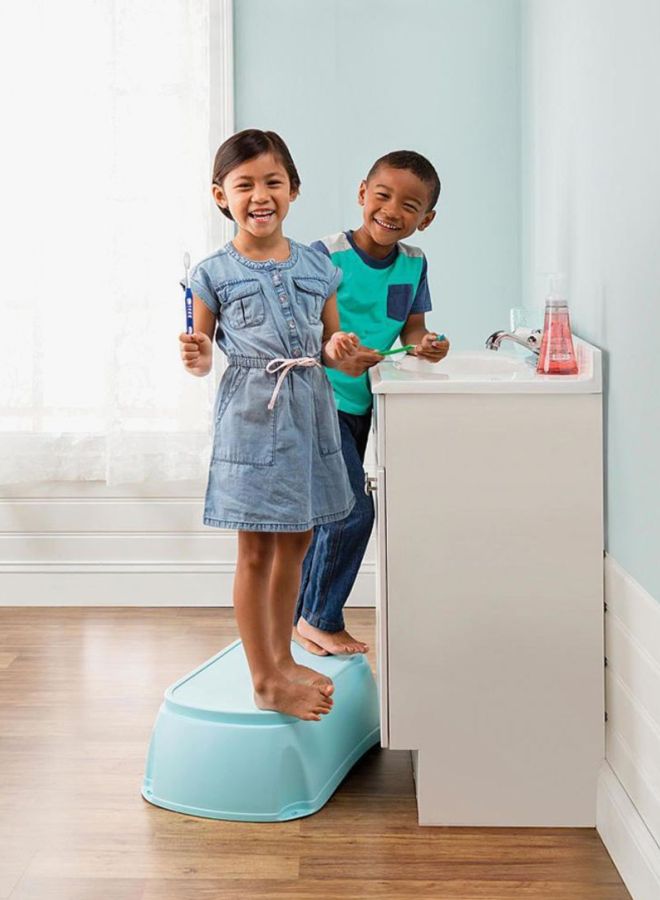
(383, 296)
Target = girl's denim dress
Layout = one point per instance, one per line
(278, 469)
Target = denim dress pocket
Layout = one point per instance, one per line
(399, 301)
(327, 421)
(245, 428)
(243, 303)
(311, 294)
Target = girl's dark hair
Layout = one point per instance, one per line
(246, 145)
(415, 163)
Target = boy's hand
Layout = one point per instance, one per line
(431, 349)
(196, 352)
(358, 362)
(341, 345)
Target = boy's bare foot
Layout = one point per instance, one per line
(293, 699)
(295, 672)
(306, 644)
(332, 641)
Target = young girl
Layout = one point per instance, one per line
(277, 469)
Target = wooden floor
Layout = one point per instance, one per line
(79, 691)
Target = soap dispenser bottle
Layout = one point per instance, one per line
(557, 354)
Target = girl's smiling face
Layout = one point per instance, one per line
(258, 194)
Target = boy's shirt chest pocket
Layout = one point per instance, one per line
(399, 301)
(242, 304)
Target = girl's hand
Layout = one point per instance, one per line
(196, 352)
(341, 345)
(431, 349)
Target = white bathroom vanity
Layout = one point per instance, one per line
(489, 498)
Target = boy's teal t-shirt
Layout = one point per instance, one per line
(375, 298)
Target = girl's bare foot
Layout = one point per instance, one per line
(293, 698)
(332, 641)
(303, 674)
(306, 644)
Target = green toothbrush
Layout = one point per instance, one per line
(396, 350)
(440, 337)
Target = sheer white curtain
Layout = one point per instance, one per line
(112, 110)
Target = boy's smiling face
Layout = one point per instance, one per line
(395, 204)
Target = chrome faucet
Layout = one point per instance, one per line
(530, 340)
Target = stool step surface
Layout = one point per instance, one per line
(222, 688)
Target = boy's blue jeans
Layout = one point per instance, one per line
(335, 554)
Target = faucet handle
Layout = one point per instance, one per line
(532, 336)
(526, 337)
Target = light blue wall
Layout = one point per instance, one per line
(344, 81)
(591, 72)
(543, 121)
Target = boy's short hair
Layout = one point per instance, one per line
(415, 163)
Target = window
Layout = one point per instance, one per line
(116, 111)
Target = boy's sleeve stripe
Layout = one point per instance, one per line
(337, 242)
(408, 250)
(422, 301)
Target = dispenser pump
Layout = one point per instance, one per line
(557, 355)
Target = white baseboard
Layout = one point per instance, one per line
(629, 842)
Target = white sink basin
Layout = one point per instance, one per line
(478, 365)
(486, 371)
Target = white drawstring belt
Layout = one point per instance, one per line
(284, 366)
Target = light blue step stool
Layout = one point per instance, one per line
(214, 754)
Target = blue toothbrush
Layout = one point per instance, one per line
(188, 295)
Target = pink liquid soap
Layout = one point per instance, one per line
(557, 355)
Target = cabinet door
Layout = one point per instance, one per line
(381, 605)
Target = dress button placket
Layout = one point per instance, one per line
(294, 340)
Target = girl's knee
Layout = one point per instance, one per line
(255, 548)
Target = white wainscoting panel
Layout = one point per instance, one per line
(87, 544)
(629, 788)
(628, 840)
